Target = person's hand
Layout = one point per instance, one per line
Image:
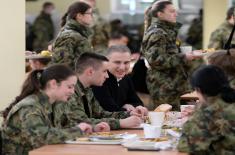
(188, 111)
(102, 127)
(191, 55)
(132, 121)
(141, 110)
(128, 107)
(135, 113)
(86, 128)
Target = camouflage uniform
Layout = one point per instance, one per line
(167, 78)
(71, 42)
(101, 32)
(30, 125)
(77, 109)
(220, 36)
(43, 30)
(195, 34)
(210, 130)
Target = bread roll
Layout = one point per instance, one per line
(163, 108)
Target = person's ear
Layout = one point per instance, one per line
(78, 16)
(89, 71)
(159, 14)
(52, 84)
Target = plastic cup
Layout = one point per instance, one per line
(186, 49)
(152, 131)
(156, 118)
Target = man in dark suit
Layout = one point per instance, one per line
(117, 92)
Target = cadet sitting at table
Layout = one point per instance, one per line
(29, 120)
(211, 128)
(91, 70)
(118, 93)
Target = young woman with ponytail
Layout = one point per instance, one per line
(210, 130)
(29, 120)
(73, 39)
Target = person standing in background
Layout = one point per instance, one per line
(43, 28)
(73, 39)
(195, 32)
(167, 78)
(100, 29)
(220, 36)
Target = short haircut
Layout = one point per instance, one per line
(47, 4)
(118, 48)
(159, 6)
(116, 35)
(230, 13)
(89, 59)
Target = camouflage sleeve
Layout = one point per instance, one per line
(41, 34)
(199, 132)
(63, 51)
(40, 133)
(216, 40)
(68, 48)
(157, 55)
(76, 114)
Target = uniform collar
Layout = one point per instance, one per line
(44, 101)
(74, 25)
(80, 89)
(167, 25)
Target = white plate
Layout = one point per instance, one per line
(97, 141)
(106, 142)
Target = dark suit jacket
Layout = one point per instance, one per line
(113, 95)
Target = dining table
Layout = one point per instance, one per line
(91, 149)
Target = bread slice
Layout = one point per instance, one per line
(163, 108)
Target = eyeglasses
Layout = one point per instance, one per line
(89, 13)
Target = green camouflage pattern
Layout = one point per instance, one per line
(101, 32)
(30, 125)
(75, 110)
(167, 78)
(210, 130)
(220, 36)
(232, 83)
(195, 33)
(71, 42)
(43, 30)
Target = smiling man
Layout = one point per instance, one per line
(117, 92)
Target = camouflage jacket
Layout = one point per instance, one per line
(210, 130)
(220, 36)
(195, 33)
(83, 107)
(43, 30)
(101, 32)
(169, 70)
(30, 125)
(71, 42)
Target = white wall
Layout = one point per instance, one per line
(12, 41)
